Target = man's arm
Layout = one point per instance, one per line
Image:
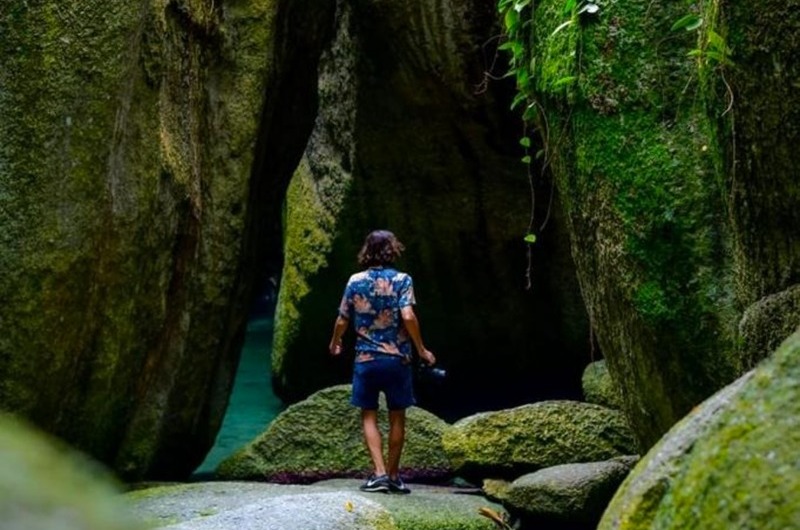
(412, 327)
(339, 327)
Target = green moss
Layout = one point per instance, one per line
(637, 159)
(511, 442)
(126, 127)
(309, 232)
(302, 445)
(745, 474)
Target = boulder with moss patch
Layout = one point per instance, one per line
(766, 324)
(598, 388)
(569, 492)
(732, 463)
(510, 443)
(321, 437)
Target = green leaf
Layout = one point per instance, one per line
(530, 112)
(525, 141)
(688, 22)
(539, 154)
(717, 42)
(502, 5)
(511, 19)
(507, 45)
(564, 81)
(569, 5)
(526, 159)
(519, 5)
(519, 98)
(530, 238)
(560, 27)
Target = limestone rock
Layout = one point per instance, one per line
(598, 388)
(45, 485)
(509, 443)
(321, 437)
(569, 492)
(732, 463)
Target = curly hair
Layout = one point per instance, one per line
(381, 248)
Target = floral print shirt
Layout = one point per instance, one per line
(372, 302)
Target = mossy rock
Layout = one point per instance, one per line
(569, 492)
(732, 463)
(598, 388)
(321, 437)
(130, 230)
(639, 169)
(512, 442)
(766, 324)
(45, 485)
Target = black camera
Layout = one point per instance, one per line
(427, 372)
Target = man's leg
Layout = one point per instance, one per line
(397, 437)
(372, 438)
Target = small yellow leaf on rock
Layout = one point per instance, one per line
(348, 506)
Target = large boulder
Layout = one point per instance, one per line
(145, 150)
(570, 492)
(510, 443)
(321, 437)
(331, 505)
(45, 485)
(732, 463)
(404, 141)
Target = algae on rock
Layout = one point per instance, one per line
(321, 437)
(732, 463)
(132, 207)
(634, 155)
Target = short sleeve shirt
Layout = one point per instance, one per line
(372, 302)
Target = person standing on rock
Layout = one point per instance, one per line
(378, 301)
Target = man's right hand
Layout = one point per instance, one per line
(427, 356)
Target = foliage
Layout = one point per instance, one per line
(556, 73)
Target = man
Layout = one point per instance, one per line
(379, 302)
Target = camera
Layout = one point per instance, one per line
(431, 373)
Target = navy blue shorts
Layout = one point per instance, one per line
(387, 374)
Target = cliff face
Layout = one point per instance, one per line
(406, 139)
(128, 211)
(680, 195)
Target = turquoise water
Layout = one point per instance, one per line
(252, 405)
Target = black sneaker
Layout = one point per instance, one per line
(398, 486)
(376, 484)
